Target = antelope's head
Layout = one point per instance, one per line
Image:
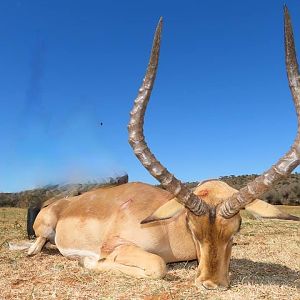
(212, 220)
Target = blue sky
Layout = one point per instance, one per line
(220, 106)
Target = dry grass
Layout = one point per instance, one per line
(265, 265)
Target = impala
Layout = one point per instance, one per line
(136, 228)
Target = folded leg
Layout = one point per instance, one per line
(130, 260)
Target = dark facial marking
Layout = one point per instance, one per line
(212, 215)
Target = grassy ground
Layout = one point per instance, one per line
(265, 265)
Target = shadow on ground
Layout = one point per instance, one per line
(245, 271)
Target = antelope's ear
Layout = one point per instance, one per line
(265, 210)
(168, 210)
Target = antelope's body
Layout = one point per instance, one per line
(113, 229)
(103, 227)
(97, 222)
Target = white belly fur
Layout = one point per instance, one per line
(78, 253)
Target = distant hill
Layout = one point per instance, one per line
(35, 197)
(286, 191)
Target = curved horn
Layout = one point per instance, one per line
(291, 159)
(140, 147)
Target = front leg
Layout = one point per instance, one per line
(130, 260)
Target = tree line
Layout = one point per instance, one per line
(35, 197)
(285, 191)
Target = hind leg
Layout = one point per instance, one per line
(130, 260)
(44, 227)
(37, 246)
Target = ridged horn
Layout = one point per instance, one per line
(291, 159)
(139, 145)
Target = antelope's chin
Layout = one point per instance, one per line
(209, 285)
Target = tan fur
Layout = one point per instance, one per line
(216, 190)
(103, 228)
(213, 239)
